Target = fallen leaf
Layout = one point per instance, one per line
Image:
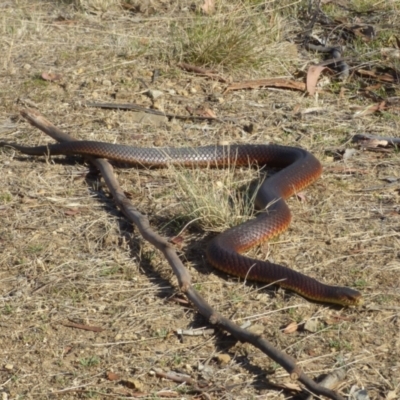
(4, 209)
(174, 376)
(51, 77)
(177, 240)
(82, 326)
(373, 87)
(133, 384)
(128, 195)
(348, 153)
(123, 392)
(365, 32)
(207, 112)
(382, 77)
(389, 52)
(313, 110)
(130, 7)
(223, 359)
(290, 386)
(179, 300)
(313, 74)
(397, 42)
(136, 137)
(208, 6)
(269, 82)
(202, 112)
(291, 328)
(60, 20)
(370, 109)
(311, 352)
(167, 394)
(391, 395)
(391, 179)
(301, 196)
(112, 376)
(72, 211)
(210, 73)
(67, 350)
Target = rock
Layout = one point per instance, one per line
(147, 118)
(311, 325)
(257, 329)
(155, 94)
(223, 359)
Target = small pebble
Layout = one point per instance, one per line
(311, 325)
(155, 94)
(223, 359)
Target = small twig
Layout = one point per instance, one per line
(174, 376)
(82, 326)
(191, 332)
(88, 392)
(181, 378)
(184, 279)
(136, 107)
(203, 71)
(267, 82)
(346, 170)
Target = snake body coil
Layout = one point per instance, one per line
(299, 169)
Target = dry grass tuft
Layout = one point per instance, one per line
(215, 200)
(237, 37)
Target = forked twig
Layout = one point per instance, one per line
(184, 279)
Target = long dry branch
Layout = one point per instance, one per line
(184, 279)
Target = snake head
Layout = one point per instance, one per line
(348, 297)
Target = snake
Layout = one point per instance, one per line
(298, 168)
